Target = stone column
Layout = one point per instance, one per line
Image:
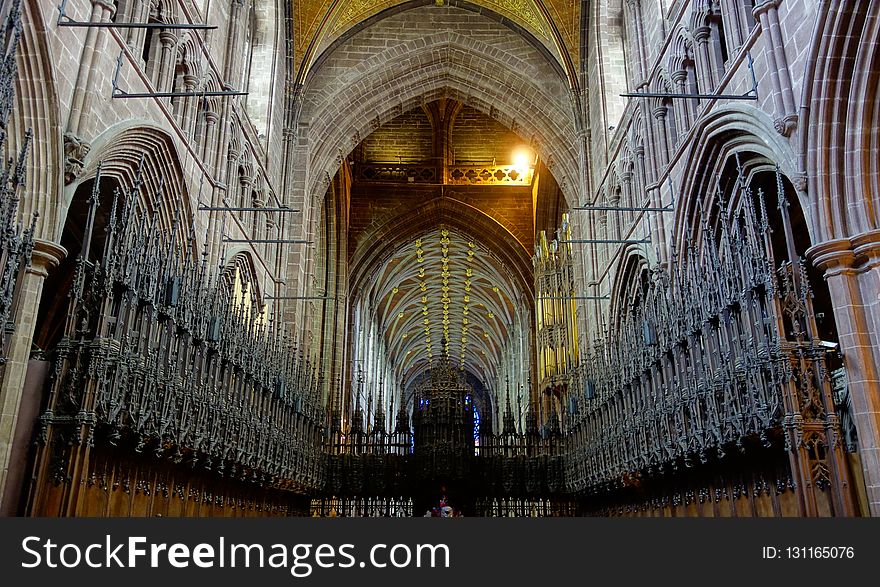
(658, 238)
(601, 249)
(235, 28)
(783, 97)
(614, 197)
(257, 222)
(635, 9)
(46, 256)
(208, 138)
(132, 11)
(641, 174)
(188, 105)
(705, 74)
(681, 105)
(852, 270)
(84, 88)
(165, 71)
(629, 199)
(660, 112)
(244, 197)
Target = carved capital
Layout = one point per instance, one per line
(867, 245)
(107, 5)
(167, 38)
(762, 7)
(786, 125)
(45, 257)
(832, 255)
(75, 151)
(679, 75)
(701, 34)
(190, 82)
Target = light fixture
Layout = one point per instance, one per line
(522, 160)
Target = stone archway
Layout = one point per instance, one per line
(843, 179)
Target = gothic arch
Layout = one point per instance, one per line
(121, 150)
(842, 135)
(727, 130)
(448, 212)
(509, 87)
(562, 63)
(627, 282)
(387, 283)
(261, 57)
(36, 109)
(239, 270)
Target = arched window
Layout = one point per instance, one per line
(258, 68)
(611, 52)
(242, 286)
(740, 21)
(250, 34)
(150, 52)
(630, 288)
(720, 42)
(684, 78)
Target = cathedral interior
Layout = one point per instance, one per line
(500, 258)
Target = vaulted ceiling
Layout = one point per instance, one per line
(445, 287)
(555, 24)
(445, 259)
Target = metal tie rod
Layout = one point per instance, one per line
(574, 297)
(117, 93)
(64, 20)
(246, 209)
(300, 297)
(624, 208)
(752, 94)
(747, 96)
(602, 241)
(267, 241)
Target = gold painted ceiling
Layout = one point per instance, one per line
(445, 294)
(555, 23)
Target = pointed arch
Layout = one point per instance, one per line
(512, 84)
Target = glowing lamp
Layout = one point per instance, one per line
(522, 160)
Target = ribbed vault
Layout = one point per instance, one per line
(435, 287)
(554, 25)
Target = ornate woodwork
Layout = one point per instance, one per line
(402, 173)
(719, 356)
(16, 240)
(712, 395)
(489, 175)
(159, 357)
(514, 470)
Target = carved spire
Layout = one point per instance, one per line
(509, 426)
(402, 414)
